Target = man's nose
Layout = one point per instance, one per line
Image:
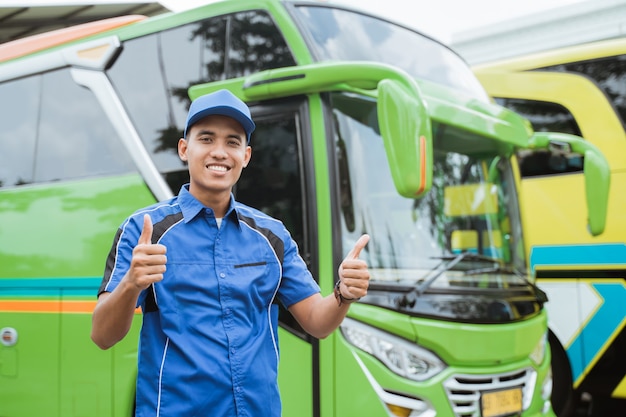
(218, 150)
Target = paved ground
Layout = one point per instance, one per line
(605, 408)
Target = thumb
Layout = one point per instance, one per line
(358, 247)
(146, 232)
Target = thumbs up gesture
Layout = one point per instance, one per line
(353, 272)
(148, 262)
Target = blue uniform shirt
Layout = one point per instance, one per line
(209, 343)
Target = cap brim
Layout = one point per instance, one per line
(247, 124)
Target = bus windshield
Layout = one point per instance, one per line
(373, 39)
(471, 209)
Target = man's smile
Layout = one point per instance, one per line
(220, 168)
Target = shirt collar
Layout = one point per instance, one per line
(191, 206)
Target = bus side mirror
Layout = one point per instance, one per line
(597, 183)
(402, 116)
(596, 170)
(405, 127)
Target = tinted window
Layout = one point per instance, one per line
(272, 182)
(19, 130)
(545, 117)
(153, 74)
(54, 129)
(609, 73)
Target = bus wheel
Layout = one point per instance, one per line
(562, 399)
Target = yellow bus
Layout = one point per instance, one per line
(579, 90)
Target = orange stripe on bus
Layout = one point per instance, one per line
(422, 165)
(25, 46)
(48, 306)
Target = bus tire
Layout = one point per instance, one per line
(562, 399)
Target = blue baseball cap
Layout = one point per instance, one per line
(224, 103)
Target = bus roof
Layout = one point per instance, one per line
(25, 46)
(581, 52)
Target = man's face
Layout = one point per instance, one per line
(216, 151)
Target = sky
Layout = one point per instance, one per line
(439, 19)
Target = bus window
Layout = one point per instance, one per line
(545, 117)
(19, 131)
(272, 182)
(53, 119)
(155, 71)
(609, 73)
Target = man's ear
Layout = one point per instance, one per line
(182, 149)
(246, 159)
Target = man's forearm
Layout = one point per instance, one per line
(319, 316)
(113, 315)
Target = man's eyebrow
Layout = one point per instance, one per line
(206, 132)
(236, 135)
(209, 132)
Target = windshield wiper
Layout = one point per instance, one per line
(494, 269)
(454, 259)
(469, 256)
(409, 298)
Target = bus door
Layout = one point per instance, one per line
(275, 183)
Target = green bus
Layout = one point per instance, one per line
(363, 126)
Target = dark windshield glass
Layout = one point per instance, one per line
(338, 34)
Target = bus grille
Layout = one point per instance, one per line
(464, 390)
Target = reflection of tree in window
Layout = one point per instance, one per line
(153, 74)
(255, 44)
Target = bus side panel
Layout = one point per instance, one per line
(295, 375)
(563, 256)
(29, 370)
(54, 241)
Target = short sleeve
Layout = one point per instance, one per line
(120, 255)
(297, 283)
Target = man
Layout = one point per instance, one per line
(208, 272)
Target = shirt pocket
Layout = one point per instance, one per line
(258, 281)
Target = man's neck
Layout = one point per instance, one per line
(217, 201)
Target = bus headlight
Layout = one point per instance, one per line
(399, 355)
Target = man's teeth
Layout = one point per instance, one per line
(217, 168)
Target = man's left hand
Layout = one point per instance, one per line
(353, 272)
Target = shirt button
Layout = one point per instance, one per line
(222, 275)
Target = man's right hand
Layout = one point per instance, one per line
(148, 263)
